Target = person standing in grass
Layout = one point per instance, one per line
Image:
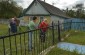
(14, 23)
(13, 26)
(17, 23)
(43, 28)
(32, 26)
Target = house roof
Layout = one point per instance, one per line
(50, 8)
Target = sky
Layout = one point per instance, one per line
(62, 4)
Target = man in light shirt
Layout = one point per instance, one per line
(32, 26)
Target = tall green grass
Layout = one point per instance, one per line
(77, 37)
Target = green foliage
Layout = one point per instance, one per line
(9, 9)
(77, 11)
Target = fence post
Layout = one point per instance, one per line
(59, 37)
(70, 24)
(53, 31)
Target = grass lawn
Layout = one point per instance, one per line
(3, 29)
(57, 51)
(77, 37)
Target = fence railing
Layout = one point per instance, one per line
(23, 44)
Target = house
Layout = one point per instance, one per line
(42, 10)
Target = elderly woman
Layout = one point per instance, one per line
(43, 26)
(13, 25)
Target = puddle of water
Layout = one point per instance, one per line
(71, 47)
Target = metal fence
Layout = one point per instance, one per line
(74, 26)
(18, 44)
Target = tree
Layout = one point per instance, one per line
(79, 10)
(76, 12)
(9, 9)
(69, 12)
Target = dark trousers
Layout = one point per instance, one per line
(42, 36)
